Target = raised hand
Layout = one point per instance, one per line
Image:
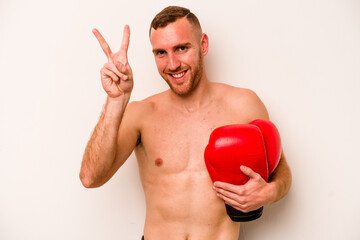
(116, 74)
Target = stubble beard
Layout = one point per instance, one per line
(196, 75)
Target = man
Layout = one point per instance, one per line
(169, 132)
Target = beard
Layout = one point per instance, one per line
(188, 87)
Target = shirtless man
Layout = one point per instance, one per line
(169, 132)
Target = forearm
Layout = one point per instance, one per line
(281, 180)
(100, 151)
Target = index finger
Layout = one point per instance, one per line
(105, 47)
(125, 40)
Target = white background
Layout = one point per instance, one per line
(302, 57)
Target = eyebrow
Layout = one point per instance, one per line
(176, 46)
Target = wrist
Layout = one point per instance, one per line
(115, 107)
(123, 98)
(119, 102)
(272, 192)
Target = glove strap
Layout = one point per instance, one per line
(239, 216)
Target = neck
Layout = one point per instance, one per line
(196, 99)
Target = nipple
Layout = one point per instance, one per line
(158, 162)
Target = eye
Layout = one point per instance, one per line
(160, 53)
(182, 48)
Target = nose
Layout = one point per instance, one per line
(173, 63)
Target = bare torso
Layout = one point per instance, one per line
(169, 132)
(180, 200)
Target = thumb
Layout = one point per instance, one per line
(121, 67)
(248, 171)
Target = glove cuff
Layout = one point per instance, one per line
(239, 216)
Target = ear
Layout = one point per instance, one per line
(204, 44)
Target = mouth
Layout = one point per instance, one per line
(178, 76)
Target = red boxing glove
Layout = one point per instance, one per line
(256, 145)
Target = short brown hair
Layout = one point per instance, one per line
(171, 14)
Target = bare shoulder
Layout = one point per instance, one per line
(245, 101)
(138, 110)
(236, 92)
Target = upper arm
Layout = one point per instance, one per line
(282, 173)
(253, 107)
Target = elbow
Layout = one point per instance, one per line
(86, 177)
(87, 181)
(91, 177)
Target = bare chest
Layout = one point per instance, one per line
(175, 141)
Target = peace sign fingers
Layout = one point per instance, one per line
(125, 43)
(116, 75)
(105, 47)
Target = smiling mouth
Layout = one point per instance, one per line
(178, 75)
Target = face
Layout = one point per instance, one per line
(179, 49)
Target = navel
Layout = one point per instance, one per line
(159, 162)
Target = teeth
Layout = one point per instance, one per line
(179, 75)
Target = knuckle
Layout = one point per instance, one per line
(258, 177)
(241, 191)
(245, 210)
(242, 202)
